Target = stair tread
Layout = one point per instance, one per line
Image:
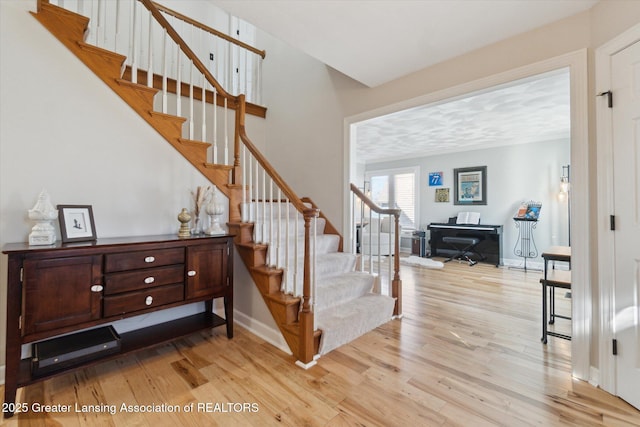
(168, 116)
(194, 142)
(217, 166)
(265, 269)
(101, 51)
(282, 298)
(138, 86)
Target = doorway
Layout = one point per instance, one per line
(576, 62)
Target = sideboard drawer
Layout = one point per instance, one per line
(143, 279)
(142, 259)
(139, 300)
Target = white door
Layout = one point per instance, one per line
(625, 76)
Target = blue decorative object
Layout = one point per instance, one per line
(435, 179)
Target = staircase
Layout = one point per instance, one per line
(293, 253)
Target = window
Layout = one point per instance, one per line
(396, 189)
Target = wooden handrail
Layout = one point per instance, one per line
(210, 30)
(270, 170)
(375, 208)
(187, 51)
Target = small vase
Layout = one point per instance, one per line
(197, 227)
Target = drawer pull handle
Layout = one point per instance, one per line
(96, 288)
(149, 280)
(149, 259)
(148, 300)
(191, 273)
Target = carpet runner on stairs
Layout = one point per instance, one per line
(345, 306)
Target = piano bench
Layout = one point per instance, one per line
(462, 246)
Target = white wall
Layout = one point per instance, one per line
(515, 174)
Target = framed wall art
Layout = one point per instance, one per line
(470, 186)
(76, 223)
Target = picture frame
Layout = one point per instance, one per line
(76, 223)
(470, 186)
(442, 195)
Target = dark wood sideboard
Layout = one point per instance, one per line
(65, 288)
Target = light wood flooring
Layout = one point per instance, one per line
(466, 353)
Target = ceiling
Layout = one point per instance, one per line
(377, 41)
(530, 110)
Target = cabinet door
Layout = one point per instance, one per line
(58, 292)
(207, 270)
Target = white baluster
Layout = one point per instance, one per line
(134, 42)
(279, 229)
(179, 82)
(287, 285)
(191, 100)
(271, 218)
(150, 53)
(264, 203)
(204, 108)
(313, 269)
(226, 133)
(215, 126)
(164, 72)
(117, 29)
(295, 258)
(244, 183)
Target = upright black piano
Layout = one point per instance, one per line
(490, 237)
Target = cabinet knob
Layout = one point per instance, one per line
(96, 288)
(149, 280)
(148, 300)
(149, 259)
(191, 273)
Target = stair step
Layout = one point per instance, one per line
(271, 279)
(168, 125)
(253, 254)
(75, 24)
(342, 288)
(144, 92)
(243, 231)
(108, 62)
(198, 149)
(284, 308)
(345, 322)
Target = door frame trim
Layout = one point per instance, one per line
(606, 239)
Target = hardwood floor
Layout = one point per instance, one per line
(466, 353)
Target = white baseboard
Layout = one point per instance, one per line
(594, 376)
(270, 335)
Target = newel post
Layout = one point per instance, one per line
(306, 346)
(396, 284)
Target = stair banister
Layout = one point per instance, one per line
(208, 29)
(304, 347)
(160, 19)
(395, 282)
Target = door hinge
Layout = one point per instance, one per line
(612, 222)
(615, 347)
(21, 274)
(20, 322)
(609, 95)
